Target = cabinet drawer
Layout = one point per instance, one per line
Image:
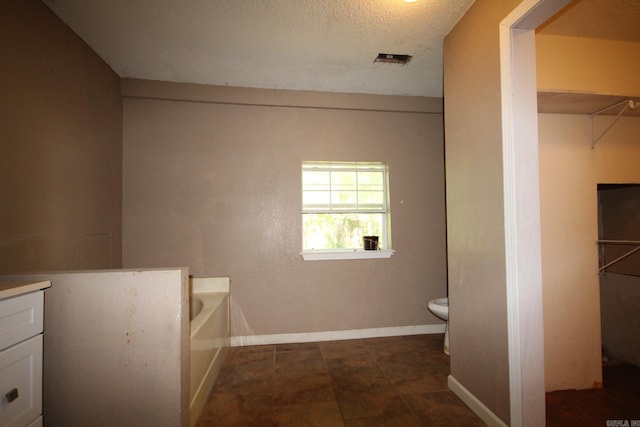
(21, 383)
(20, 318)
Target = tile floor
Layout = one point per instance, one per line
(391, 381)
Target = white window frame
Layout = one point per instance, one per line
(360, 253)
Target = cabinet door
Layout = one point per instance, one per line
(22, 318)
(21, 383)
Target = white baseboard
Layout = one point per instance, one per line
(474, 404)
(239, 341)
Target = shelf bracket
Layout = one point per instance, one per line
(625, 255)
(628, 104)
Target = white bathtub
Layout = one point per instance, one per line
(209, 338)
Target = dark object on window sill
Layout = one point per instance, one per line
(370, 243)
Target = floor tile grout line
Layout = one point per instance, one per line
(404, 401)
(333, 387)
(376, 350)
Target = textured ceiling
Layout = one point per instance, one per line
(318, 45)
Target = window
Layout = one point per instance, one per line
(342, 202)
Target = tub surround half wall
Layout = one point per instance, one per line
(116, 347)
(212, 179)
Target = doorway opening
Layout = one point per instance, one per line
(619, 260)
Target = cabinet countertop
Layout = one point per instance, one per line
(12, 289)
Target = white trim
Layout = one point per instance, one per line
(350, 254)
(510, 225)
(521, 209)
(209, 284)
(474, 404)
(240, 341)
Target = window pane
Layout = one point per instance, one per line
(340, 231)
(343, 180)
(316, 200)
(371, 199)
(316, 180)
(370, 181)
(344, 199)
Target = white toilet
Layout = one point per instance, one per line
(440, 308)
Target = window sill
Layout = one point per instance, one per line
(347, 254)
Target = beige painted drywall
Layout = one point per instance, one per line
(475, 220)
(215, 184)
(116, 348)
(60, 133)
(569, 173)
(583, 65)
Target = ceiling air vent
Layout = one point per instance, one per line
(393, 58)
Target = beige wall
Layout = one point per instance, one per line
(475, 220)
(574, 64)
(61, 133)
(212, 181)
(569, 173)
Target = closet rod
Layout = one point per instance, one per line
(628, 104)
(619, 242)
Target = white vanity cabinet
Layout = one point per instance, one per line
(21, 329)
